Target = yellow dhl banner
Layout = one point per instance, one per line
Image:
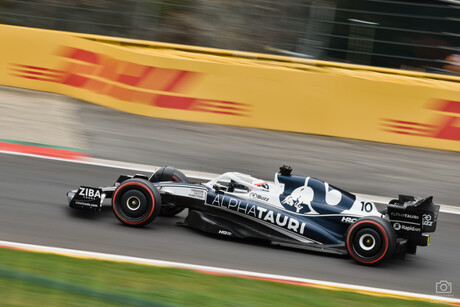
(339, 102)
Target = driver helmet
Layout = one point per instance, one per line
(261, 183)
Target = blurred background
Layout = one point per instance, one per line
(418, 35)
(41, 114)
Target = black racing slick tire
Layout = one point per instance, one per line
(370, 240)
(169, 173)
(136, 202)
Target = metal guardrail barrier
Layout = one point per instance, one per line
(421, 36)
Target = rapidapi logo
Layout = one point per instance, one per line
(128, 81)
(444, 125)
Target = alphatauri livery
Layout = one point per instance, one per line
(291, 210)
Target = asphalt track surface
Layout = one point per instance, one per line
(33, 206)
(358, 166)
(34, 210)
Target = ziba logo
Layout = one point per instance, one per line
(89, 193)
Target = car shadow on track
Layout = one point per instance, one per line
(265, 244)
(105, 213)
(394, 262)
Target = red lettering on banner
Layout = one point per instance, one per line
(93, 65)
(127, 81)
(35, 73)
(184, 103)
(133, 74)
(450, 106)
(449, 129)
(176, 81)
(81, 55)
(76, 74)
(107, 69)
(446, 126)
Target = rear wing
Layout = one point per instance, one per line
(412, 215)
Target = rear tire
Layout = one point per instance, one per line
(169, 173)
(136, 202)
(370, 240)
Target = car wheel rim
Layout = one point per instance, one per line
(367, 242)
(133, 203)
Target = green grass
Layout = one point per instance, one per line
(39, 279)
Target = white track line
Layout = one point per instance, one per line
(225, 271)
(208, 176)
(196, 175)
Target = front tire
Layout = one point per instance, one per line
(136, 202)
(169, 173)
(370, 240)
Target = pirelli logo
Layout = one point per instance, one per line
(129, 82)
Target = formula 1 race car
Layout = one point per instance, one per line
(292, 210)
